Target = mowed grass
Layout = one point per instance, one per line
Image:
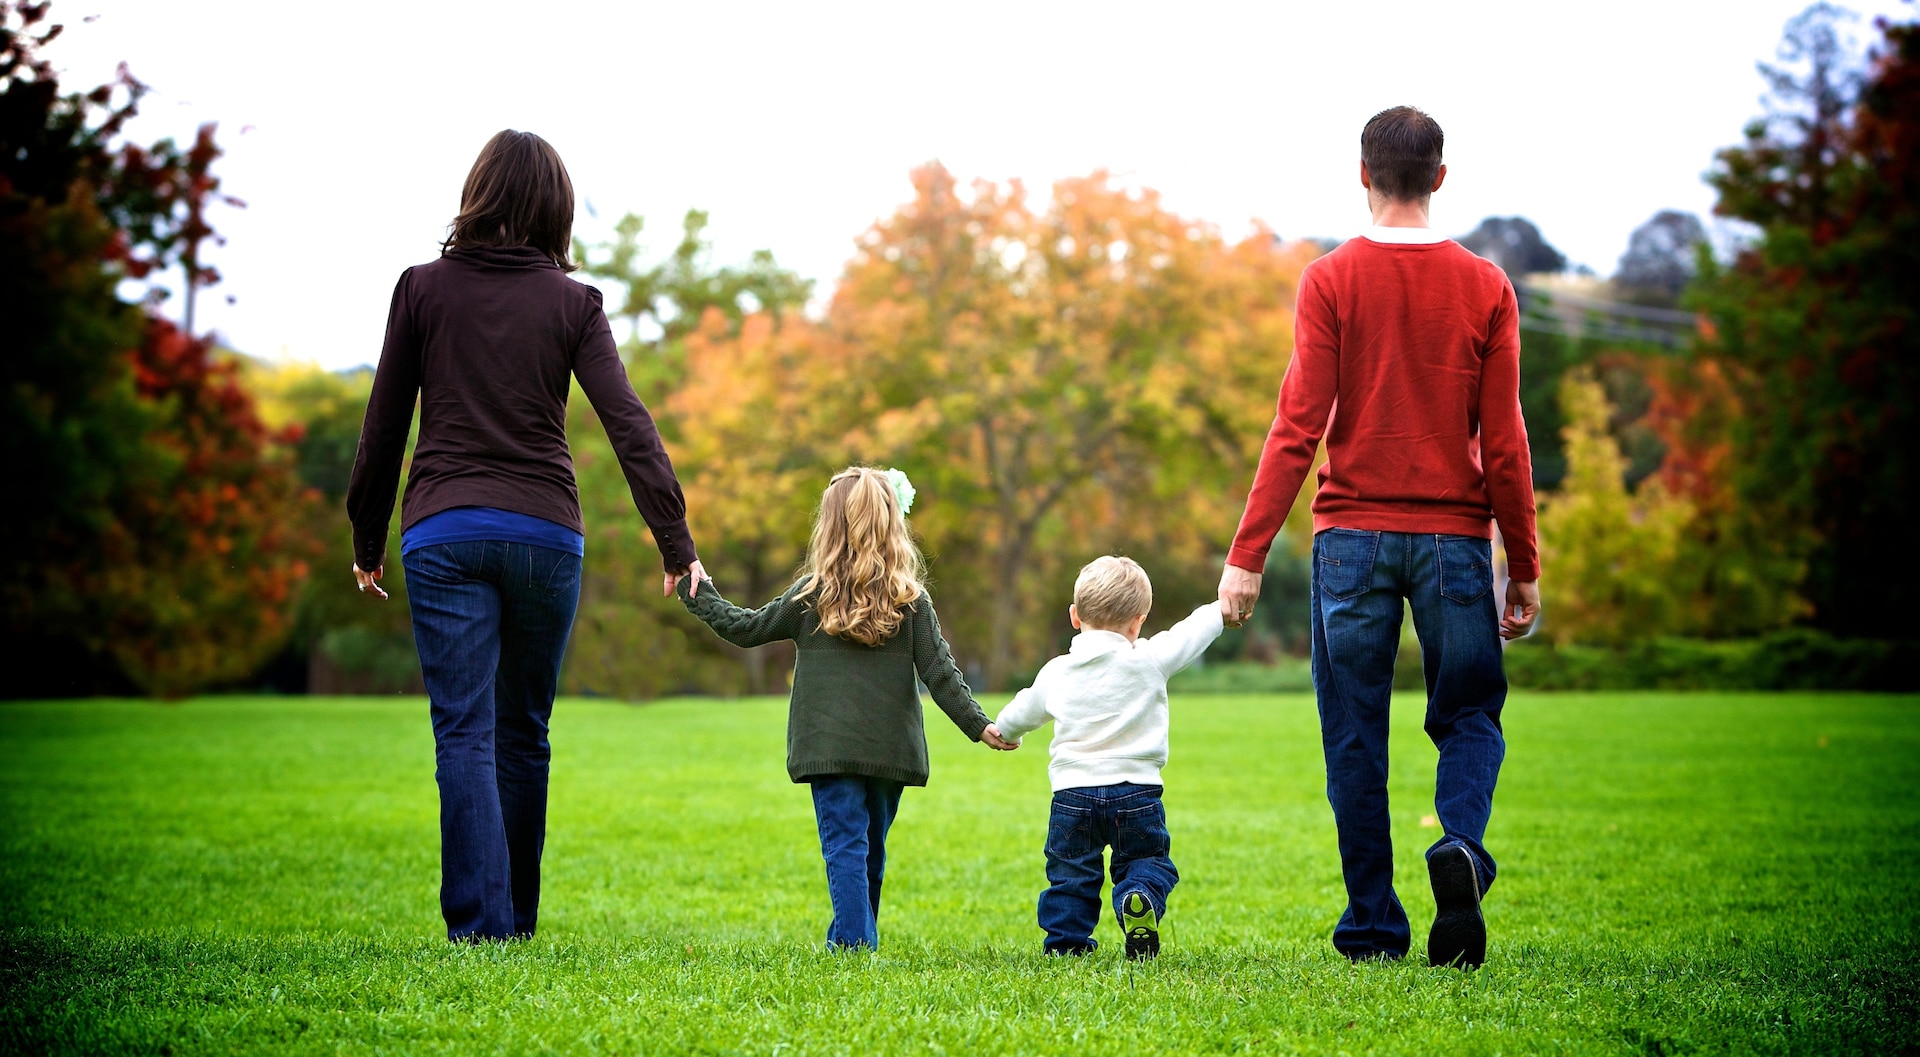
(1679, 874)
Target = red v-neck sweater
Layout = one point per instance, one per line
(1407, 357)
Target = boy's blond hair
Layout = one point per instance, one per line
(1110, 592)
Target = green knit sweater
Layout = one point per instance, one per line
(855, 709)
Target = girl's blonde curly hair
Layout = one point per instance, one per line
(863, 570)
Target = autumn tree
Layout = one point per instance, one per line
(1616, 555)
(1095, 375)
(712, 352)
(339, 643)
(154, 551)
(1815, 322)
(764, 419)
(1744, 563)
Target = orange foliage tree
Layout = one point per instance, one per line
(1093, 375)
(762, 424)
(198, 567)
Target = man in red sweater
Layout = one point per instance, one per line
(1407, 357)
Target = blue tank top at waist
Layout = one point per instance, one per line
(465, 524)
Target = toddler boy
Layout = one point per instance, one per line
(1107, 698)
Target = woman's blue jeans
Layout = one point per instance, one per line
(1360, 580)
(491, 619)
(854, 813)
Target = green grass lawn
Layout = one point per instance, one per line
(1679, 874)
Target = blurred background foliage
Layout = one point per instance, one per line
(1722, 434)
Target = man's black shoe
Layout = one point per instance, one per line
(1459, 936)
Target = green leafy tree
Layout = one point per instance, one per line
(663, 302)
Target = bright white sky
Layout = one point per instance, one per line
(794, 123)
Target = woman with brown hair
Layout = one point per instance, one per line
(487, 338)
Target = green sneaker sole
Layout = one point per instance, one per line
(1141, 926)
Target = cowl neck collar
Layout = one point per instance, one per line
(502, 256)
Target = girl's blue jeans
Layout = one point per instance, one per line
(1360, 579)
(854, 813)
(491, 620)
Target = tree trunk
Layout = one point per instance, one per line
(1005, 615)
(759, 660)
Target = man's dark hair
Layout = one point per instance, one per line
(1402, 150)
(517, 194)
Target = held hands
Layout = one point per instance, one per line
(369, 581)
(1239, 589)
(696, 571)
(1521, 610)
(991, 736)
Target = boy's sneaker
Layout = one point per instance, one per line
(1459, 936)
(1140, 925)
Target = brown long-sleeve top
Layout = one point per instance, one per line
(487, 339)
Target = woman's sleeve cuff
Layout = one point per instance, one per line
(676, 546)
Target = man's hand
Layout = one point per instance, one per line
(992, 737)
(696, 571)
(1239, 589)
(369, 581)
(1522, 609)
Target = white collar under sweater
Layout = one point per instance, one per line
(1402, 236)
(1107, 698)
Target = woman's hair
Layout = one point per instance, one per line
(518, 193)
(864, 569)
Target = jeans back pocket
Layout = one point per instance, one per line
(1466, 568)
(1141, 832)
(1343, 561)
(1070, 832)
(554, 573)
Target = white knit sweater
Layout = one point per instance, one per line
(1107, 698)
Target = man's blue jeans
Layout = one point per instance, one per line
(854, 813)
(491, 620)
(1359, 581)
(1085, 822)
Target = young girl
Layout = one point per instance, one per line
(864, 628)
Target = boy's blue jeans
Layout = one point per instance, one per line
(1085, 822)
(491, 620)
(854, 813)
(1359, 580)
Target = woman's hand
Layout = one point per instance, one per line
(369, 580)
(696, 571)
